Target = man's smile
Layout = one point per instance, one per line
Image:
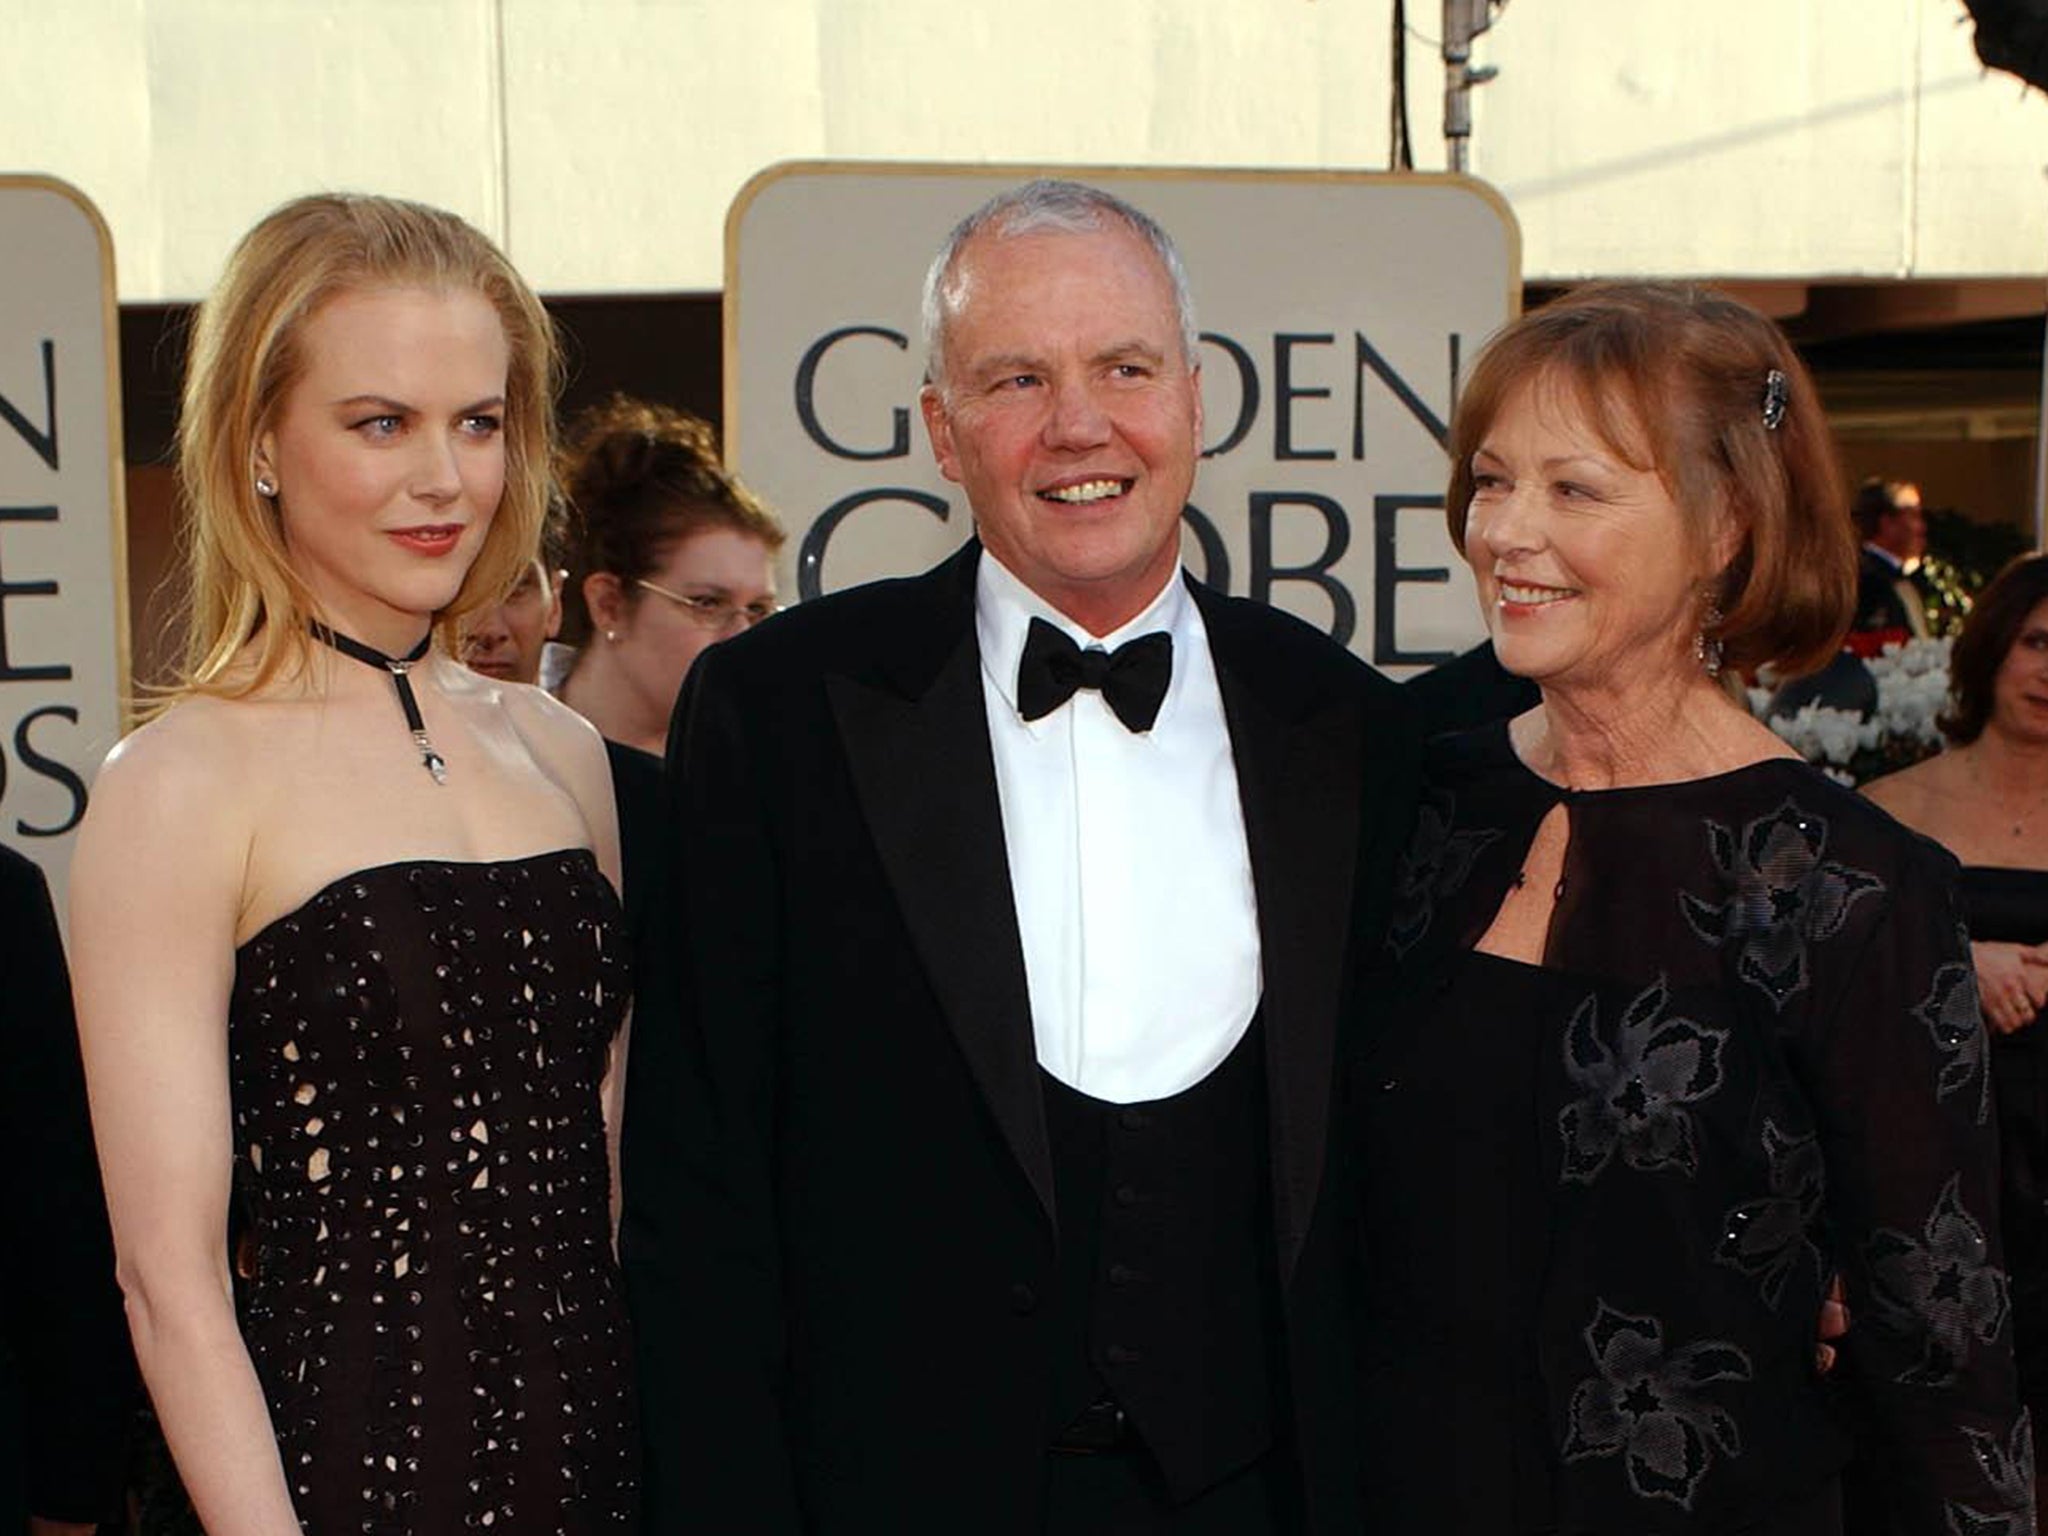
(1083, 491)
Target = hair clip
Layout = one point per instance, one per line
(1775, 396)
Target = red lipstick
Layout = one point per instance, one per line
(429, 538)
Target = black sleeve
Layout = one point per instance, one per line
(62, 1309)
(1898, 1070)
(700, 1236)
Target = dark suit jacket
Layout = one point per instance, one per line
(67, 1380)
(1879, 604)
(1469, 690)
(840, 1225)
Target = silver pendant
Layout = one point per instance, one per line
(435, 763)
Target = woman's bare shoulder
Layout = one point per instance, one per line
(200, 745)
(173, 807)
(1915, 795)
(562, 740)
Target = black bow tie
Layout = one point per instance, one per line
(1132, 678)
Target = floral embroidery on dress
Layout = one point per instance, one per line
(1654, 1406)
(1767, 1237)
(1786, 897)
(1636, 1089)
(1940, 1286)
(2009, 1468)
(1435, 864)
(1953, 1017)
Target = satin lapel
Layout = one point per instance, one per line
(1300, 779)
(925, 774)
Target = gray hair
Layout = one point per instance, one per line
(1067, 207)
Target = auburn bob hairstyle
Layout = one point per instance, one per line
(1993, 628)
(245, 355)
(1678, 380)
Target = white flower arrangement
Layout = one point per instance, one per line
(1912, 691)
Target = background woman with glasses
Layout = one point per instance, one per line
(669, 553)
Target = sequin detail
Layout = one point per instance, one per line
(1635, 1086)
(2008, 1467)
(435, 1313)
(1955, 1020)
(1767, 1237)
(1941, 1286)
(1787, 896)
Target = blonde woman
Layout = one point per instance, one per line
(345, 926)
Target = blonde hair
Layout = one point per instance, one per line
(245, 355)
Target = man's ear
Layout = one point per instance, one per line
(557, 581)
(938, 425)
(1195, 380)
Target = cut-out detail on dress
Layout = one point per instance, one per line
(442, 1342)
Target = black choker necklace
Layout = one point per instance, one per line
(397, 666)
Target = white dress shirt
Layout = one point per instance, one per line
(1128, 864)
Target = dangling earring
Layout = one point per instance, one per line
(1706, 644)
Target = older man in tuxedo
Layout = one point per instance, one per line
(1888, 515)
(991, 1184)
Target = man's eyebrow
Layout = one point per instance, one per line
(1135, 347)
(1008, 362)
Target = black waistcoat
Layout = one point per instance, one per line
(1169, 1294)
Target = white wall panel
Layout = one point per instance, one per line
(603, 139)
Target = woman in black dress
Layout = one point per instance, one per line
(1680, 1028)
(345, 927)
(1985, 799)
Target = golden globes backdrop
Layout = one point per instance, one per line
(63, 603)
(1337, 312)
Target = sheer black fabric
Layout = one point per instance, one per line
(2011, 905)
(434, 1313)
(1603, 1196)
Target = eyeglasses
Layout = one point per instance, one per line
(714, 613)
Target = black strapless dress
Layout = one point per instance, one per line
(2011, 905)
(434, 1310)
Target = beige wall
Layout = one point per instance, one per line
(603, 139)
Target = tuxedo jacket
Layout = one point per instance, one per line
(1880, 604)
(67, 1379)
(1470, 689)
(841, 1235)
